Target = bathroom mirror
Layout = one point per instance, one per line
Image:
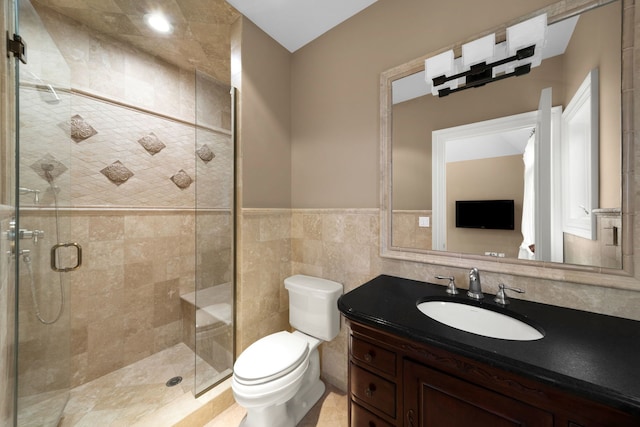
(489, 165)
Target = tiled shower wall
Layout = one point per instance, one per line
(121, 157)
(128, 180)
(130, 168)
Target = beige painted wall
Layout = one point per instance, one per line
(260, 70)
(496, 178)
(412, 160)
(265, 123)
(335, 92)
(584, 53)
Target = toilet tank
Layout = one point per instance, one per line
(313, 305)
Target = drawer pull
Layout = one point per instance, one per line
(410, 418)
(370, 390)
(369, 356)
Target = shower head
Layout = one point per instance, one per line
(47, 168)
(46, 91)
(48, 94)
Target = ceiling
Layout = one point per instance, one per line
(294, 23)
(201, 28)
(201, 35)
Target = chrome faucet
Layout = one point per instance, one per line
(475, 289)
(501, 296)
(451, 287)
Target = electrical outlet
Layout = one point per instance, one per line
(423, 221)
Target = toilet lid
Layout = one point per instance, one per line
(270, 357)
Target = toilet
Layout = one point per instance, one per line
(277, 378)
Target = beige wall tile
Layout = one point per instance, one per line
(342, 245)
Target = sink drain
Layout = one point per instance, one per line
(174, 381)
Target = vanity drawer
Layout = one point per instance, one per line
(373, 356)
(360, 417)
(372, 390)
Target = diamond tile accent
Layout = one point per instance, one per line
(80, 129)
(205, 153)
(47, 129)
(48, 167)
(182, 179)
(117, 173)
(152, 143)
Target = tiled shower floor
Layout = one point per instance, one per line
(136, 394)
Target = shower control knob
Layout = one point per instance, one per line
(37, 234)
(25, 234)
(11, 233)
(30, 234)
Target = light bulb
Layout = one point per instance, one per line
(158, 22)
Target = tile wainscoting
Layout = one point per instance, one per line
(343, 245)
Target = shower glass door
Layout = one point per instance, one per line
(213, 328)
(43, 177)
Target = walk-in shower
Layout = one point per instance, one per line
(124, 228)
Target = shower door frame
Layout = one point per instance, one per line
(43, 372)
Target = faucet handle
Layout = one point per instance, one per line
(501, 296)
(451, 287)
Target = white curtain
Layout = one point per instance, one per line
(528, 221)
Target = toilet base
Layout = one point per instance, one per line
(291, 412)
(269, 416)
(288, 414)
(300, 405)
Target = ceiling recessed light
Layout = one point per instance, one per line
(158, 22)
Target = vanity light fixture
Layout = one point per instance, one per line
(483, 61)
(158, 22)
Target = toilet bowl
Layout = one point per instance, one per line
(277, 378)
(270, 371)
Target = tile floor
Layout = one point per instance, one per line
(137, 395)
(330, 411)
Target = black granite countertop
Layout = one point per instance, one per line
(589, 354)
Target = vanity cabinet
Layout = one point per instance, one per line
(395, 381)
(434, 398)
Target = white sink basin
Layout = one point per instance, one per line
(479, 321)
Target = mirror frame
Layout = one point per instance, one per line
(624, 278)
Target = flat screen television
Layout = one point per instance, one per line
(489, 214)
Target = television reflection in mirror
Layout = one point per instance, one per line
(485, 214)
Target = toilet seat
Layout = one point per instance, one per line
(270, 358)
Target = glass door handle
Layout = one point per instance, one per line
(54, 257)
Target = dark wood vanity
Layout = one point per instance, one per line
(400, 376)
